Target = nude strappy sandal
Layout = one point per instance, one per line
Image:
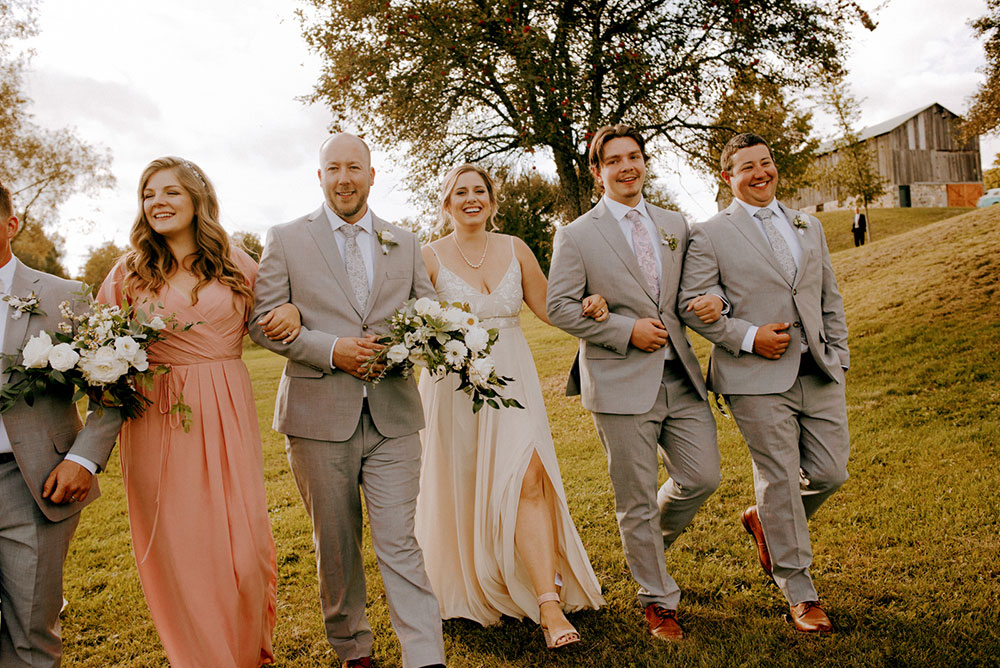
(564, 639)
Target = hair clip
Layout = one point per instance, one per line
(196, 173)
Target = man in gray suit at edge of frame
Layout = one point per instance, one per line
(48, 462)
(636, 372)
(347, 271)
(779, 358)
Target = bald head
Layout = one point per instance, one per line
(346, 175)
(344, 142)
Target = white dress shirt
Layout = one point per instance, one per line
(619, 211)
(784, 227)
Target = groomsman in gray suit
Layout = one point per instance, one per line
(47, 464)
(636, 372)
(347, 271)
(780, 358)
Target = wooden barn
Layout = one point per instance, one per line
(920, 157)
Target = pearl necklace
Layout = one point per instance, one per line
(481, 260)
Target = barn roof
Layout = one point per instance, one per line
(883, 127)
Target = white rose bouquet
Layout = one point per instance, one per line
(443, 338)
(103, 357)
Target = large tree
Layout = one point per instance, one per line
(472, 80)
(984, 112)
(41, 167)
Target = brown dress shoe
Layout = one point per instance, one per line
(751, 522)
(808, 617)
(663, 623)
(363, 662)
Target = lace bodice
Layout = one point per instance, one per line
(503, 303)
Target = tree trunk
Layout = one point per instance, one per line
(868, 223)
(577, 185)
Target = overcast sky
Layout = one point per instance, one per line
(216, 83)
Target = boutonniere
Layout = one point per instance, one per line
(21, 305)
(668, 239)
(385, 239)
(800, 224)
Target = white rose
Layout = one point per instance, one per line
(477, 339)
(102, 366)
(398, 353)
(454, 318)
(126, 347)
(387, 237)
(156, 323)
(455, 352)
(480, 370)
(139, 362)
(427, 307)
(62, 357)
(36, 351)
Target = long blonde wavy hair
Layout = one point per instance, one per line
(445, 222)
(150, 261)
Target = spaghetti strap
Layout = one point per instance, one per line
(431, 246)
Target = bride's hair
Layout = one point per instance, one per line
(445, 221)
(150, 261)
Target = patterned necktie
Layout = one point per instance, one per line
(644, 252)
(355, 263)
(778, 243)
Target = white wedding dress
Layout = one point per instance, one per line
(473, 465)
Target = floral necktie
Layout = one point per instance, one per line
(355, 264)
(778, 244)
(644, 252)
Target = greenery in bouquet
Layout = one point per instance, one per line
(102, 356)
(444, 339)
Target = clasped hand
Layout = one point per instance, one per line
(350, 354)
(67, 483)
(771, 340)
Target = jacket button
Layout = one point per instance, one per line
(794, 291)
(795, 324)
(364, 328)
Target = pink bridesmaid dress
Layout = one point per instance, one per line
(196, 503)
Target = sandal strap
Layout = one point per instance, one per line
(549, 597)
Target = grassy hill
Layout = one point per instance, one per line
(883, 223)
(906, 554)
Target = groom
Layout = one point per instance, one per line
(47, 466)
(780, 357)
(346, 271)
(636, 371)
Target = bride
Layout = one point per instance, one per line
(492, 518)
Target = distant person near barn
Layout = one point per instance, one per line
(859, 227)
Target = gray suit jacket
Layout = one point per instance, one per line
(302, 264)
(43, 434)
(592, 256)
(728, 253)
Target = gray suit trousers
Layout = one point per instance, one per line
(32, 551)
(681, 430)
(804, 428)
(331, 476)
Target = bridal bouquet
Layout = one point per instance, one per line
(443, 338)
(103, 358)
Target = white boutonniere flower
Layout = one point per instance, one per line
(21, 305)
(385, 239)
(801, 224)
(668, 239)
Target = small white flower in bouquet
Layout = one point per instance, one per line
(101, 356)
(443, 338)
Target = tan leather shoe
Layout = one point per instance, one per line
(663, 623)
(808, 617)
(751, 522)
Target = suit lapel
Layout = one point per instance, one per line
(612, 233)
(807, 240)
(378, 262)
(742, 221)
(23, 284)
(667, 256)
(326, 242)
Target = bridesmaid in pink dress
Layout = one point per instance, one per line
(197, 509)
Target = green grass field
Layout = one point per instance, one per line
(907, 554)
(882, 223)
